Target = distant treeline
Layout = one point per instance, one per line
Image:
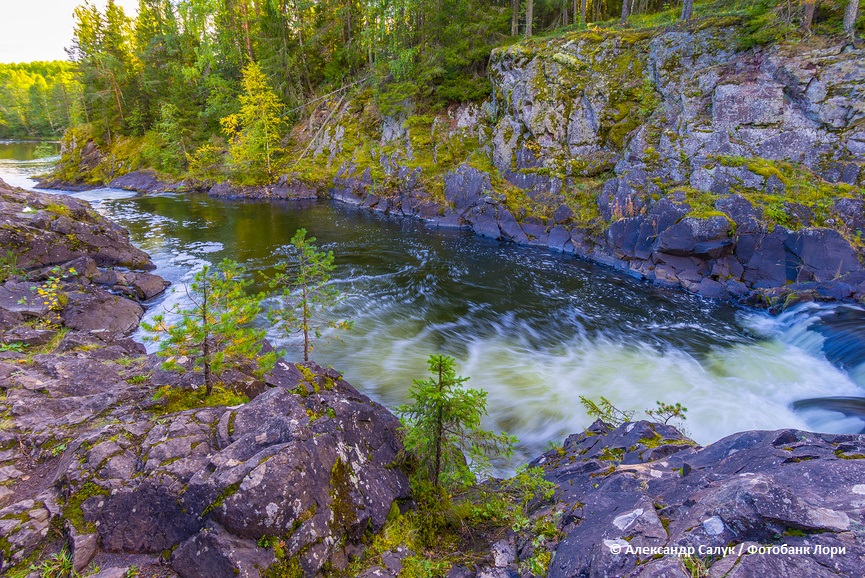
(39, 99)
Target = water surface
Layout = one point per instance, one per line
(535, 329)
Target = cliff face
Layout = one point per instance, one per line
(673, 155)
(730, 170)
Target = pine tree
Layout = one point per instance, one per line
(216, 332)
(304, 283)
(443, 426)
(256, 131)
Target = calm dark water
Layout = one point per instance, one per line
(535, 329)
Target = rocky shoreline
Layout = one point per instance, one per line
(756, 267)
(94, 459)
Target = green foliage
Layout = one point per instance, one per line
(443, 430)
(59, 565)
(666, 412)
(442, 528)
(419, 567)
(216, 333)
(9, 265)
(44, 150)
(15, 346)
(609, 413)
(648, 97)
(38, 99)
(255, 132)
(696, 567)
(605, 411)
(165, 147)
(206, 162)
(303, 281)
(52, 295)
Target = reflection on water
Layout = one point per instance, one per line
(19, 162)
(535, 329)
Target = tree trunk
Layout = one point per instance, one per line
(625, 12)
(246, 32)
(267, 150)
(305, 325)
(687, 10)
(583, 6)
(530, 14)
(205, 345)
(850, 18)
(439, 432)
(515, 17)
(808, 16)
(208, 376)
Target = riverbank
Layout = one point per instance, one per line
(672, 155)
(123, 464)
(755, 267)
(111, 461)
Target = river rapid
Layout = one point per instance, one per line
(537, 330)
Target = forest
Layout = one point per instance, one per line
(171, 78)
(39, 99)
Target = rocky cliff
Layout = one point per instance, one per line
(670, 154)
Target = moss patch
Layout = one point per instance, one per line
(802, 187)
(226, 493)
(344, 509)
(72, 511)
(175, 399)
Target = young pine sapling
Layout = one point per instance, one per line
(443, 426)
(216, 332)
(303, 279)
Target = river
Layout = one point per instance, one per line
(535, 329)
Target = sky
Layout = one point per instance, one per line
(39, 29)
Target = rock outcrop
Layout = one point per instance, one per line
(90, 457)
(642, 500)
(308, 464)
(643, 487)
(44, 230)
(671, 155)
